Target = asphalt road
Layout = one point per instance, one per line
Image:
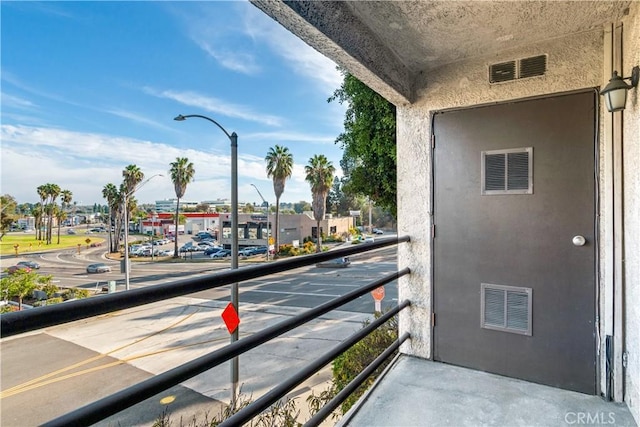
(303, 288)
(51, 372)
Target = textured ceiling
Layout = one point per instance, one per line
(427, 34)
(388, 44)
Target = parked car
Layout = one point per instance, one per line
(98, 268)
(15, 268)
(31, 264)
(221, 253)
(205, 245)
(212, 249)
(335, 263)
(203, 235)
(71, 231)
(188, 247)
(377, 231)
(247, 251)
(260, 250)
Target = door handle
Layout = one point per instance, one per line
(579, 240)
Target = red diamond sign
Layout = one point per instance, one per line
(230, 317)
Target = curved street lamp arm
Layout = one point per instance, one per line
(141, 184)
(259, 193)
(181, 118)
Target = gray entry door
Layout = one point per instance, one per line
(513, 293)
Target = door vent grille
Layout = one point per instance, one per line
(507, 171)
(506, 308)
(518, 69)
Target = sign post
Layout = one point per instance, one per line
(378, 296)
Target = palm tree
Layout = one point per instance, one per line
(279, 168)
(320, 175)
(110, 194)
(37, 213)
(65, 200)
(42, 192)
(132, 177)
(60, 215)
(182, 173)
(52, 191)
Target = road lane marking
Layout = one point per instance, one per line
(293, 293)
(92, 359)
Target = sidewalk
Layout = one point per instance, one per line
(137, 343)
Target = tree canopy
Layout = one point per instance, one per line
(369, 143)
(8, 215)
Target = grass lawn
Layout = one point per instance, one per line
(27, 242)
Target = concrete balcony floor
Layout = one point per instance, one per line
(418, 392)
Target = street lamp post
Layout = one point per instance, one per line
(127, 275)
(233, 138)
(264, 202)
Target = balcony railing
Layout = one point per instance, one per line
(30, 320)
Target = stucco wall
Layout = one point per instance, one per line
(631, 152)
(573, 63)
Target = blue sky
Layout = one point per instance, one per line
(91, 87)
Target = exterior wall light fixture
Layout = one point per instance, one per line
(615, 93)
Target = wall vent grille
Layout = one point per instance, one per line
(531, 67)
(518, 69)
(502, 72)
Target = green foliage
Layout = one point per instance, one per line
(21, 284)
(8, 215)
(345, 368)
(52, 301)
(50, 289)
(6, 308)
(283, 413)
(369, 143)
(334, 238)
(353, 361)
(78, 293)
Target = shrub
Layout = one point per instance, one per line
(6, 308)
(52, 301)
(78, 293)
(345, 368)
(285, 249)
(50, 289)
(353, 361)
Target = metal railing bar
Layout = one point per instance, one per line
(247, 413)
(330, 406)
(286, 386)
(28, 320)
(107, 406)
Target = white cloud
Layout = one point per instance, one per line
(233, 60)
(85, 162)
(139, 119)
(15, 102)
(289, 136)
(302, 58)
(215, 105)
(11, 79)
